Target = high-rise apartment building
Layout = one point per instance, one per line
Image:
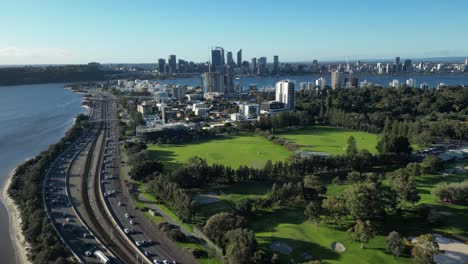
(284, 93)
(335, 79)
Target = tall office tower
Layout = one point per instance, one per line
(397, 60)
(284, 93)
(276, 64)
(411, 83)
(217, 59)
(466, 61)
(315, 66)
(254, 65)
(239, 58)
(172, 61)
(161, 65)
(335, 79)
(230, 60)
(407, 65)
(262, 63)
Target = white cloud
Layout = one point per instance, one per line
(15, 52)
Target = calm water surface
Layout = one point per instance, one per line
(31, 118)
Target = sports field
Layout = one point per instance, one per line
(328, 139)
(234, 151)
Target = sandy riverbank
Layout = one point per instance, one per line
(20, 245)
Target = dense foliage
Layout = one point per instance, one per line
(26, 191)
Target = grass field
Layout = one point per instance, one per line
(250, 150)
(328, 139)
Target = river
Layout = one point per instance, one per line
(31, 118)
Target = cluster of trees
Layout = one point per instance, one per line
(146, 170)
(52, 74)
(198, 173)
(419, 115)
(171, 194)
(231, 233)
(26, 191)
(456, 193)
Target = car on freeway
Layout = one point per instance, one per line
(138, 243)
(126, 231)
(88, 253)
(127, 216)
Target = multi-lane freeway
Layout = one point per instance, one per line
(89, 207)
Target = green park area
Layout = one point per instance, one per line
(249, 150)
(327, 139)
(288, 229)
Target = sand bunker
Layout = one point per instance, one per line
(338, 247)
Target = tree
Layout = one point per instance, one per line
(145, 170)
(244, 207)
(432, 164)
(394, 243)
(363, 231)
(240, 247)
(312, 210)
(337, 180)
(313, 187)
(391, 143)
(219, 224)
(424, 249)
(365, 201)
(351, 149)
(354, 176)
(336, 208)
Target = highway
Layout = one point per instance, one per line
(74, 233)
(90, 209)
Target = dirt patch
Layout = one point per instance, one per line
(281, 247)
(338, 247)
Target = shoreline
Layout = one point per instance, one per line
(20, 245)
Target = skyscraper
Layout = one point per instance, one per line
(315, 66)
(239, 58)
(217, 59)
(397, 60)
(230, 60)
(411, 83)
(276, 64)
(161, 65)
(407, 65)
(254, 65)
(284, 93)
(262, 69)
(172, 61)
(335, 79)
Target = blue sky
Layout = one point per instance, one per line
(65, 31)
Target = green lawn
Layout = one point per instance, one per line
(327, 139)
(250, 150)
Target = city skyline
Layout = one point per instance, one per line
(116, 32)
